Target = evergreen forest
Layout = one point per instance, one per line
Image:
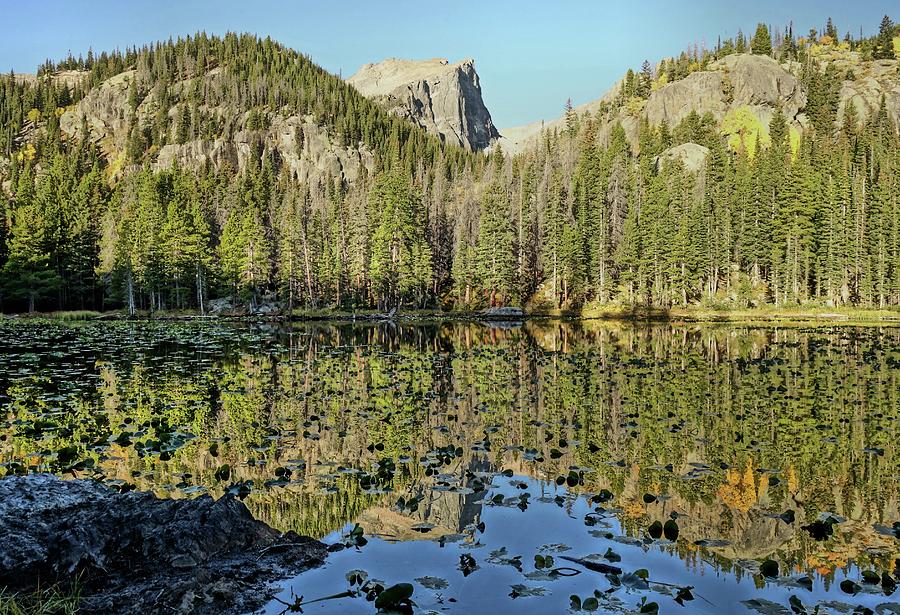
(776, 217)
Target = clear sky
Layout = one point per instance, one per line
(532, 55)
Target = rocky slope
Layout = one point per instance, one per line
(757, 83)
(443, 98)
(298, 141)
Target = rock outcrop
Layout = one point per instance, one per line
(72, 78)
(700, 92)
(880, 79)
(443, 98)
(691, 155)
(757, 83)
(298, 142)
(134, 553)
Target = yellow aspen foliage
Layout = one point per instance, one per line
(794, 138)
(743, 130)
(33, 116)
(634, 106)
(27, 153)
(739, 489)
(659, 83)
(793, 483)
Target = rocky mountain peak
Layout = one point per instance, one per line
(753, 85)
(441, 97)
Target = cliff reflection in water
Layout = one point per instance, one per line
(726, 426)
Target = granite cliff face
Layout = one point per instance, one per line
(443, 98)
(300, 143)
(756, 83)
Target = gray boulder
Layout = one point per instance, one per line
(761, 81)
(700, 92)
(880, 80)
(135, 553)
(691, 155)
(503, 313)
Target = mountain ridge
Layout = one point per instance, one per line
(235, 168)
(756, 81)
(441, 97)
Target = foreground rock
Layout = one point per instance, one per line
(135, 553)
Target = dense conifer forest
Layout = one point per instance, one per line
(776, 217)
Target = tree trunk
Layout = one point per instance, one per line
(200, 290)
(130, 291)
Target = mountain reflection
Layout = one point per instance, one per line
(726, 426)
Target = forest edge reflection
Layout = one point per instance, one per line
(727, 427)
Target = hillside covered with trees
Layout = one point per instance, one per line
(235, 167)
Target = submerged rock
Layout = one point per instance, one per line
(503, 313)
(136, 553)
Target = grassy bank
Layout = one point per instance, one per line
(678, 314)
(765, 313)
(51, 601)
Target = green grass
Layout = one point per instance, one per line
(51, 601)
(763, 313)
(589, 311)
(67, 316)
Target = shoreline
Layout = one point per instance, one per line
(649, 315)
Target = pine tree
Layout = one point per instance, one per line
(494, 254)
(831, 32)
(884, 44)
(762, 41)
(740, 45)
(81, 257)
(4, 223)
(553, 226)
(289, 249)
(628, 256)
(571, 118)
(177, 238)
(28, 272)
(400, 266)
(183, 127)
(794, 233)
(645, 79)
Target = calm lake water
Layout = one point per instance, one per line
(476, 458)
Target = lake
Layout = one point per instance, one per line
(756, 465)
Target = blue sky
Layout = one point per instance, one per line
(531, 55)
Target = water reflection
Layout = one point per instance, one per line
(553, 525)
(723, 429)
